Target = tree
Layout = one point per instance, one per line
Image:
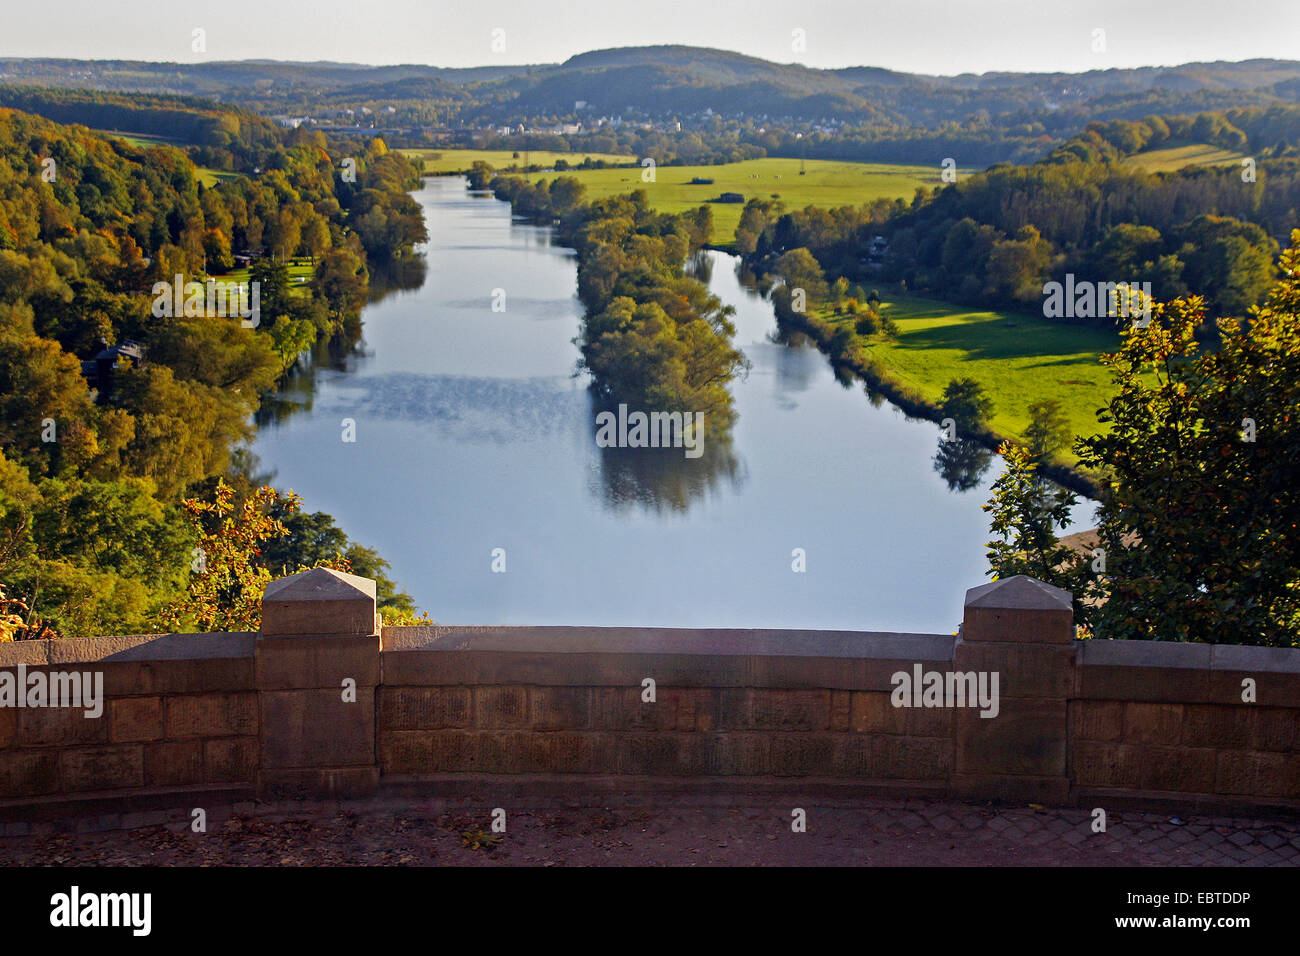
(1228, 262)
(292, 337)
(1125, 250)
(565, 193)
(227, 577)
(753, 221)
(966, 404)
(216, 251)
(43, 396)
(272, 276)
(12, 625)
(342, 280)
(479, 174)
(1048, 431)
(92, 536)
(801, 270)
(1026, 512)
(183, 430)
(1016, 267)
(1200, 508)
(81, 557)
(961, 462)
(315, 237)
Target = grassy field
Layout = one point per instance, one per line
(142, 140)
(825, 183)
(1173, 158)
(459, 160)
(300, 273)
(1018, 359)
(208, 177)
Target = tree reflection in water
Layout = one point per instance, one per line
(961, 462)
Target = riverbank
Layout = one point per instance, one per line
(1007, 354)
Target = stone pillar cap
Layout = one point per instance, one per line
(320, 584)
(319, 601)
(1020, 592)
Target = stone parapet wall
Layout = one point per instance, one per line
(350, 708)
(179, 710)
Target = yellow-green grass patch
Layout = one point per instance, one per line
(300, 273)
(1173, 158)
(1018, 358)
(826, 183)
(460, 160)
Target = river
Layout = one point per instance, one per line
(472, 434)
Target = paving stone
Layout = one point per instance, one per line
(876, 832)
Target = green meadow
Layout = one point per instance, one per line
(142, 140)
(301, 272)
(824, 183)
(1173, 158)
(442, 161)
(1017, 358)
(208, 177)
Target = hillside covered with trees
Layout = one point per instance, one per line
(995, 238)
(728, 104)
(108, 485)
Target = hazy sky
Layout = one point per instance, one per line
(925, 36)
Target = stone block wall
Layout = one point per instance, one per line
(324, 701)
(546, 701)
(1169, 719)
(178, 711)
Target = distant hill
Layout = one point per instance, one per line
(990, 117)
(698, 65)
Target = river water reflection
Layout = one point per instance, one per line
(472, 434)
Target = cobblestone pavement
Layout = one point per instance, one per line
(664, 831)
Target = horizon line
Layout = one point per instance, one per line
(556, 63)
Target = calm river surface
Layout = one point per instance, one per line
(472, 435)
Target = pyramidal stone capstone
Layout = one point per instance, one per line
(319, 601)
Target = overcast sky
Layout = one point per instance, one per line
(924, 36)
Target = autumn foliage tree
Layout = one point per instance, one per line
(1027, 511)
(1200, 519)
(1199, 522)
(227, 576)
